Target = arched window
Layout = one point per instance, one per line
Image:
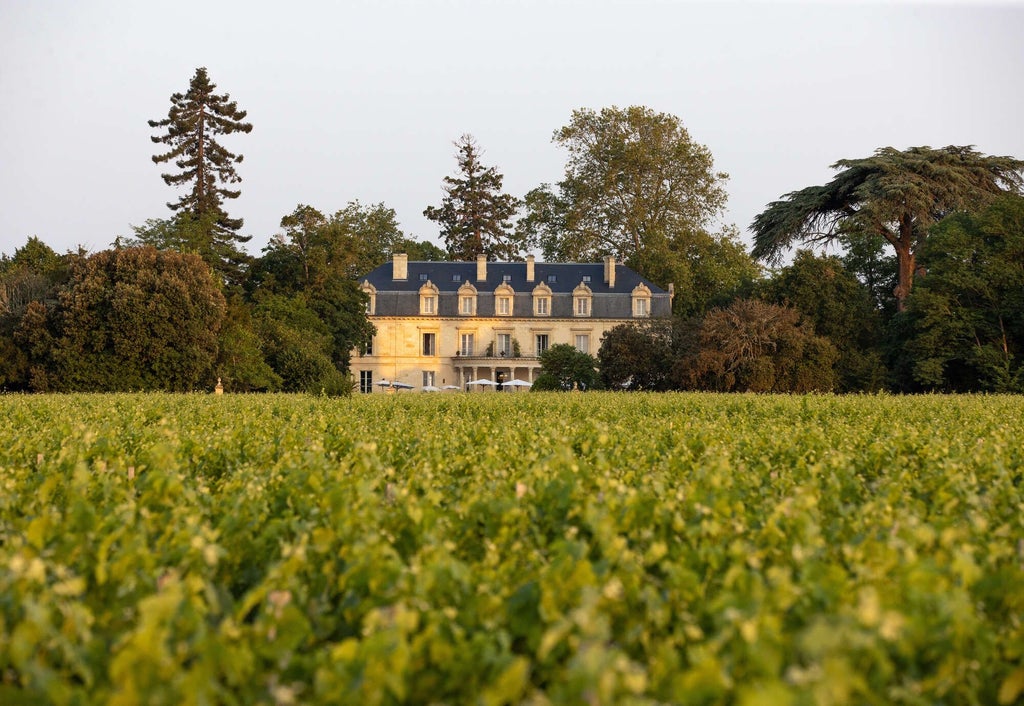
(428, 299)
(467, 300)
(641, 300)
(542, 300)
(504, 299)
(582, 298)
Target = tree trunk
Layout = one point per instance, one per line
(905, 266)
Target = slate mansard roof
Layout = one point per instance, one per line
(401, 297)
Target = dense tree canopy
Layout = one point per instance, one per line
(637, 356)
(196, 118)
(840, 308)
(137, 319)
(753, 346)
(635, 184)
(475, 215)
(563, 367)
(893, 195)
(966, 316)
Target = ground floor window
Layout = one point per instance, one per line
(366, 381)
(428, 378)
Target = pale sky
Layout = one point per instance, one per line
(363, 99)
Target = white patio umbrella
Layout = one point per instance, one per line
(481, 381)
(430, 388)
(517, 383)
(451, 387)
(401, 385)
(383, 383)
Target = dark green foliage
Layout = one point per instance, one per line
(475, 214)
(29, 281)
(199, 235)
(297, 344)
(196, 118)
(240, 362)
(563, 367)
(965, 319)
(637, 356)
(753, 346)
(841, 309)
(893, 195)
(314, 248)
(136, 319)
(636, 186)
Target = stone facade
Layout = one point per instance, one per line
(445, 323)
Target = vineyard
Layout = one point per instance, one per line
(594, 548)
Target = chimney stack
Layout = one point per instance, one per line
(609, 271)
(481, 268)
(529, 268)
(400, 266)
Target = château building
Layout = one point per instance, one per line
(446, 323)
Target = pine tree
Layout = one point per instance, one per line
(195, 119)
(474, 214)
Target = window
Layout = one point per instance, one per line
(423, 277)
(504, 306)
(466, 344)
(542, 342)
(368, 348)
(366, 381)
(505, 344)
(371, 297)
(581, 300)
(456, 278)
(641, 300)
(467, 299)
(428, 298)
(542, 300)
(586, 278)
(430, 344)
(506, 278)
(583, 342)
(552, 278)
(428, 378)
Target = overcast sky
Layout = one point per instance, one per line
(362, 99)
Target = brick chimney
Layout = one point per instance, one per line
(481, 268)
(609, 271)
(400, 266)
(529, 268)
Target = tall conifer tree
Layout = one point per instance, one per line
(474, 213)
(195, 119)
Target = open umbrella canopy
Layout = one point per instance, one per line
(451, 387)
(481, 381)
(517, 383)
(430, 388)
(401, 385)
(383, 383)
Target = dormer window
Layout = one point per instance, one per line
(423, 277)
(542, 300)
(581, 300)
(504, 297)
(552, 278)
(428, 299)
(371, 293)
(467, 300)
(456, 278)
(641, 297)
